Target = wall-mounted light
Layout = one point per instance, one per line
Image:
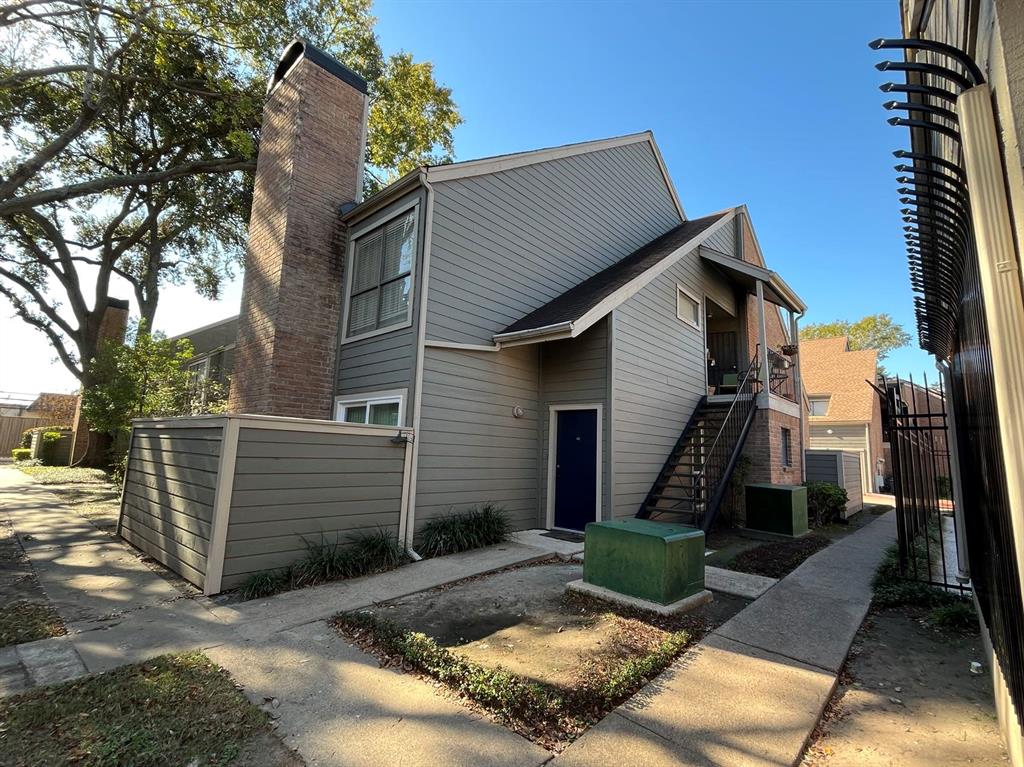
(518, 412)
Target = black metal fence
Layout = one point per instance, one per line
(917, 429)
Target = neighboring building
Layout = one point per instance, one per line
(213, 357)
(965, 217)
(843, 407)
(60, 408)
(541, 324)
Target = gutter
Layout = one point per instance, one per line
(558, 327)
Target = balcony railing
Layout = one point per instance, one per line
(780, 376)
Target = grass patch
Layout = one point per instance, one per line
(65, 475)
(172, 710)
(552, 715)
(480, 526)
(778, 558)
(24, 621)
(361, 554)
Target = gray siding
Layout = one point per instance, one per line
(506, 243)
(659, 375)
(839, 468)
(575, 371)
(167, 506)
(386, 361)
(292, 486)
(472, 449)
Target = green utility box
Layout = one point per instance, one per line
(648, 560)
(780, 509)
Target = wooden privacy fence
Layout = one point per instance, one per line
(11, 428)
(840, 467)
(218, 498)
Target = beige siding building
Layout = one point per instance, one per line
(844, 409)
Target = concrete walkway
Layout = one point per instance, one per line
(753, 690)
(749, 694)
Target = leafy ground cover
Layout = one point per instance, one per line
(172, 710)
(64, 475)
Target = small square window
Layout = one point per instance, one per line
(818, 406)
(687, 307)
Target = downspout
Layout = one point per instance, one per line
(798, 387)
(963, 565)
(409, 523)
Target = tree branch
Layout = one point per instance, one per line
(97, 185)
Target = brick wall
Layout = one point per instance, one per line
(764, 452)
(310, 163)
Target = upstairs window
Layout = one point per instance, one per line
(687, 307)
(381, 282)
(818, 405)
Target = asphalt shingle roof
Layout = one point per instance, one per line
(828, 368)
(580, 299)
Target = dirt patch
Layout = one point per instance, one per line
(25, 611)
(908, 697)
(515, 646)
(522, 620)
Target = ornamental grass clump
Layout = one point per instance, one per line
(360, 554)
(480, 526)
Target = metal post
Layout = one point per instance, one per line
(762, 330)
(963, 566)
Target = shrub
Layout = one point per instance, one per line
(825, 502)
(944, 485)
(480, 526)
(48, 449)
(26, 437)
(958, 615)
(21, 454)
(892, 589)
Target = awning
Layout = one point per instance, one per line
(747, 275)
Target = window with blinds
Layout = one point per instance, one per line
(381, 282)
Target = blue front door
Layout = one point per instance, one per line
(575, 469)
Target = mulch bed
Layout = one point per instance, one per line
(778, 559)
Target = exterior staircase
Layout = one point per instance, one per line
(693, 482)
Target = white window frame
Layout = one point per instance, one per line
(343, 402)
(699, 324)
(350, 251)
(553, 449)
(817, 398)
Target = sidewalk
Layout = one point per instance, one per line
(754, 689)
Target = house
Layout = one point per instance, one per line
(844, 410)
(963, 206)
(548, 331)
(60, 408)
(212, 361)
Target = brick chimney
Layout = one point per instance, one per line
(310, 163)
(89, 448)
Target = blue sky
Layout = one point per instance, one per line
(772, 104)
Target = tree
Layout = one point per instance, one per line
(875, 331)
(128, 138)
(146, 378)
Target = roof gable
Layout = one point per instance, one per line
(827, 367)
(572, 312)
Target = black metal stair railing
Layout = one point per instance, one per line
(724, 450)
(692, 482)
